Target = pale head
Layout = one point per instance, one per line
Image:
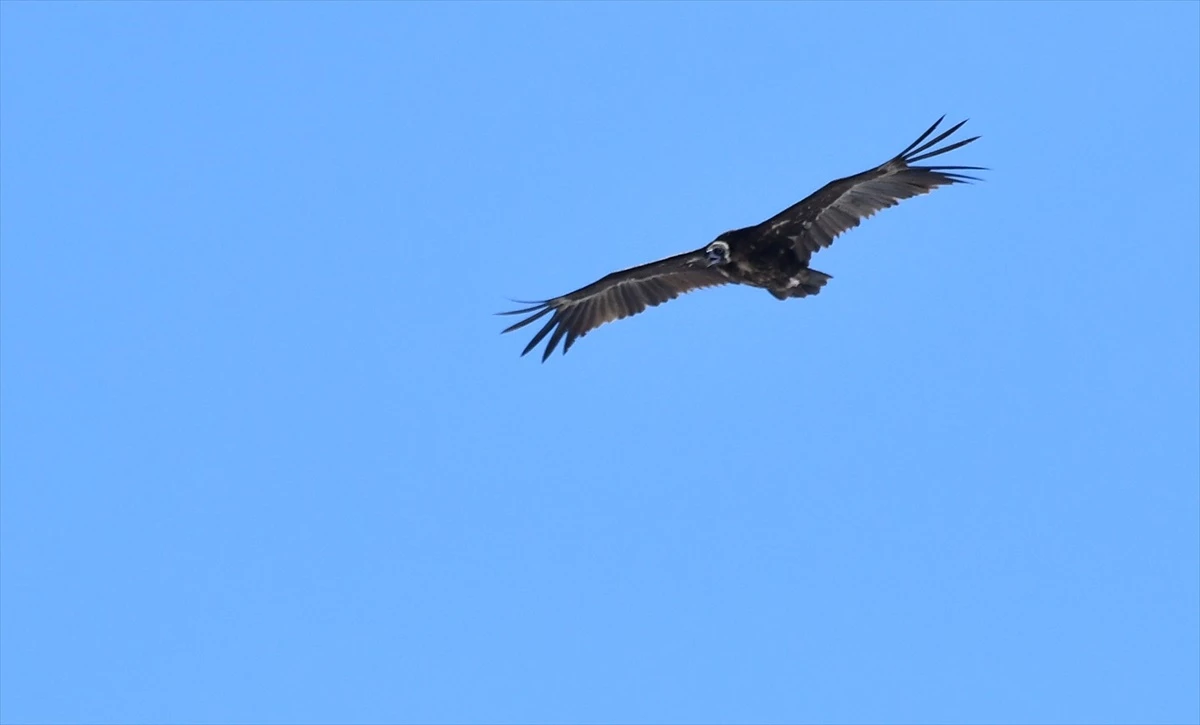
(717, 253)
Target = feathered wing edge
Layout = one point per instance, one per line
(815, 221)
(614, 297)
(917, 151)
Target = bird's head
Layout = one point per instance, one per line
(717, 253)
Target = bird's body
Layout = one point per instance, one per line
(773, 255)
(759, 261)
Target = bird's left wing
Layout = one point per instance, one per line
(616, 296)
(840, 205)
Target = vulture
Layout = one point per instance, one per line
(773, 255)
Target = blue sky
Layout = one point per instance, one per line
(267, 459)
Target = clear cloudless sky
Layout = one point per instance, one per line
(267, 458)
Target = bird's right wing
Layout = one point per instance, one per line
(814, 222)
(616, 296)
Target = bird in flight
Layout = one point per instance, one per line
(773, 255)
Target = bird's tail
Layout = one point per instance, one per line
(810, 283)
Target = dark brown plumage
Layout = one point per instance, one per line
(773, 255)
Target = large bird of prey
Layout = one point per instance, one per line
(773, 255)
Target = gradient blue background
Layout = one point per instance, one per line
(266, 458)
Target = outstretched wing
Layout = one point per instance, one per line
(840, 205)
(616, 296)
